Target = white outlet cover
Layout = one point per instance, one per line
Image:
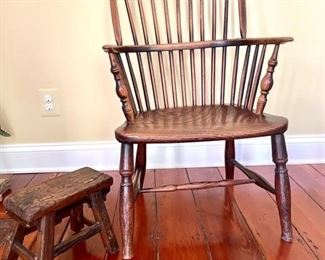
(49, 102)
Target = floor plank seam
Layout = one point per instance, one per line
(156, 218)
(249, 229)
(297, 230)
(310, 196)
(316, 169)
(199, 218)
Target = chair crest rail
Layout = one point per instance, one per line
(194, 45)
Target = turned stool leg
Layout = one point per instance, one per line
(100, 214)
(76, 218)
(126, 200)
(282, 185)
(45, 238)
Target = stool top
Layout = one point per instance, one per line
(31, 203)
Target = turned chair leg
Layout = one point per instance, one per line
(126, 200)
(101, 215)
(140, 163)
(282, 185)
(229, 154)
(45, 238)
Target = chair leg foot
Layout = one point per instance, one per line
(126, 201)
(282, 185)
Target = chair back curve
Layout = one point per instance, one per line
(195, 53)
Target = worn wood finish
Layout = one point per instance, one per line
(229, 155)
(126, 200)
(259, 180)
(77, 238)
(307, 215)
(196, 45)
(227, 233)
(4, 187)
(184, 100)
(45, 239)
(260, 211)
(140, 166)
(29, 204)
(197, 185)
(199, 124)
(101, 216)
(180, 234)
(282, 185)
(42, 206)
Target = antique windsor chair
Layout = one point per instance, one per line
(181, 79)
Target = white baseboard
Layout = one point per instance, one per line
(60, 157)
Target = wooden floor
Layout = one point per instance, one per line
(238, 223)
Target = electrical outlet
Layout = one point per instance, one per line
(49, 101)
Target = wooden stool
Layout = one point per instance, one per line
(42, 206)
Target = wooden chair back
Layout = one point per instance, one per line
(182, 55)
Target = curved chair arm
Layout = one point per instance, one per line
(195, 45)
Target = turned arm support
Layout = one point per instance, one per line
(267, 81)
(122, 86)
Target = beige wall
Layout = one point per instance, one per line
(57, 44)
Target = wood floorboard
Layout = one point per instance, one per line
(311, 181)
(228, 235)
(261, 214)
(307, 217)
(319, 167)
(180, 235)
(208, 224)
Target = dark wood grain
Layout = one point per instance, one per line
(311, 181)
(198, 124)
(92, 249)
(307, 216)
(177, 220)
(261, 215)
(43, 210)
(29, 204)
(4, 187)
(195, 45)
(158, 117)
(224, 226)
(223, 240)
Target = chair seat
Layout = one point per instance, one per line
(31, 203)
(203, 123)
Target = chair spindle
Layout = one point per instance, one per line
(171, 54)
(149, 56)
(181, 53)
(160, 56)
